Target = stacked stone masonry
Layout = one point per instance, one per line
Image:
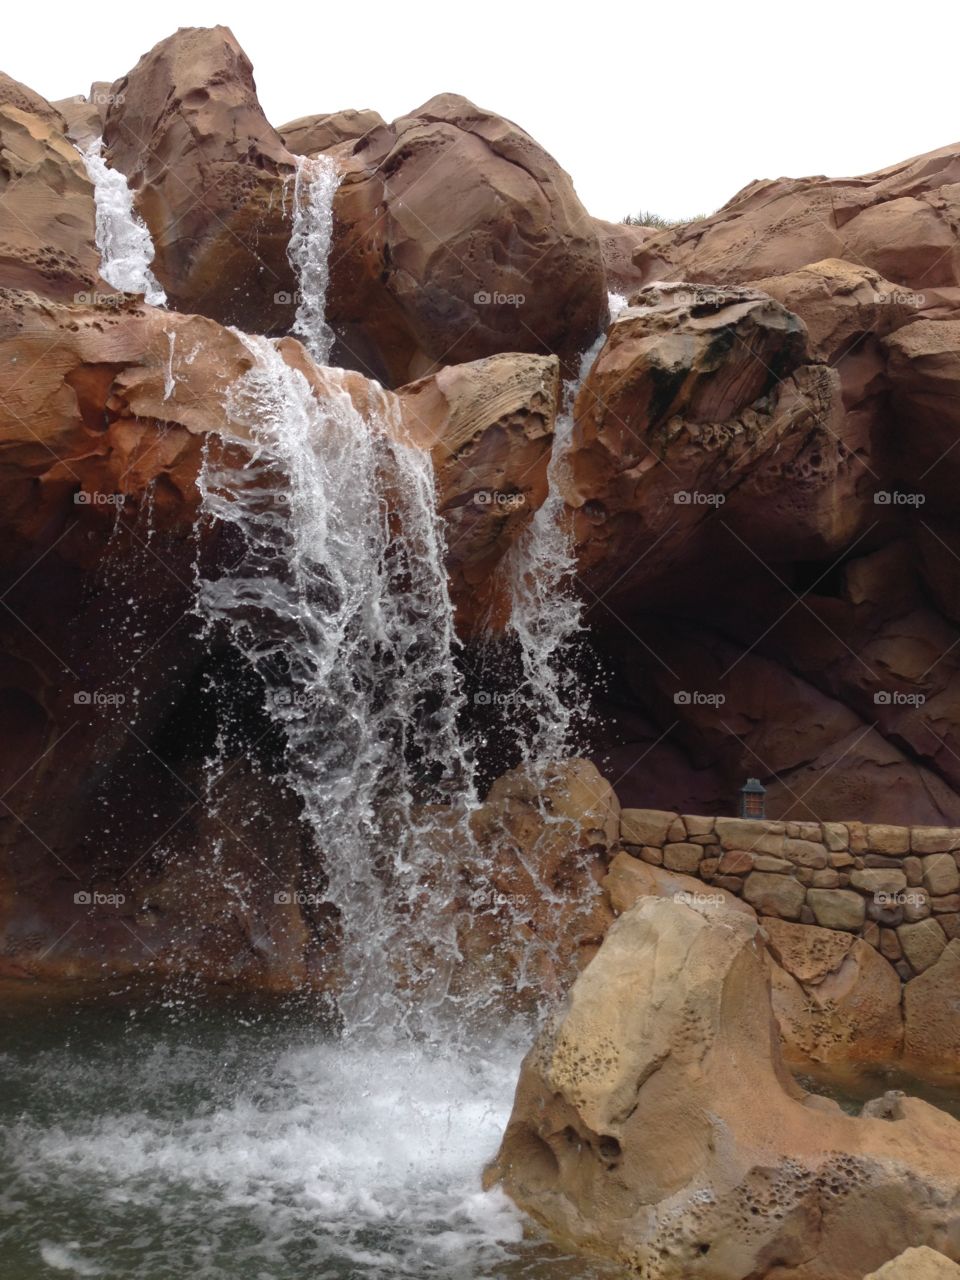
(898, 888)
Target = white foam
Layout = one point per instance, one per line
(126, 249)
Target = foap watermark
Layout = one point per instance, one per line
(102, 98)
(90, 298)
(498, 498)
(897, 698)
(900, 297)
(94, 898)
(687, 899)
(293, 698)
(491, 698)
(700, 297)
(93, 498)
(897, 498)
(697, 498)
(492, 298)
(494, 898)
(284, 298)
(297, 897)
(698, 698)
(94, 698)
(900, 898)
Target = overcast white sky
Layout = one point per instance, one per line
(669, 106)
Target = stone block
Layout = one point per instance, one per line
(837, 908)
(774, 895)
(645, 826)
(923, 943)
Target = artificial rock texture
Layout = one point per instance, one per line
(654, 1123)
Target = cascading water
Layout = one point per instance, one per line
(315, 184)
(126, 249)
(546, 611)
(340, 603)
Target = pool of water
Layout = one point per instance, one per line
(852, 1090)
(172, 1138)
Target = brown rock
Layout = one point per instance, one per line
(311, 135)
(934, 839)
(618, 243)
(917, 1264)
(887, 839)
(805, 853)
(736, 862)
(941, 875)
(210, 174)
(458, 237)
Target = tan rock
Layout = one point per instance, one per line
(934, 839)
(636, 1131)
(682, 857)
(645, 826)
(932, 1014)
(754, 837)
(941, 875)
(774, 895)
(917, 1264)
(837, 908)
(805, 853)
(887, 839)
(922, 943)
(311, 135)
(628, 880)
(874, 880)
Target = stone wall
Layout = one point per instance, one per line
(897, 888)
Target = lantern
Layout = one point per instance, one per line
(752, 799)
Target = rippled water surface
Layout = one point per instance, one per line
(171, 1139)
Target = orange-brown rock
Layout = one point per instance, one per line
(489, 426)
(898, 221)
(47, 214)
(311, 135)
(619, 241)
(458, 237)
(210, 176)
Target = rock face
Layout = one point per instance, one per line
(209, 173)
(458, 237)
(47, 215)
(899, 221)
(311, 135)
(636, 1131)
(489, 425)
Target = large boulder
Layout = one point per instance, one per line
(917, 1264)
(931, 1003)
(702, 404)
(654, 1123)
(457, 237)
(898, 221)
(210, 176)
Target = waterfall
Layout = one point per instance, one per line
(340, 602)
(545, 609)
(315, 185)
(123, 240)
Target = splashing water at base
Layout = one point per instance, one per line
(149, 1143)
(123, 240)
(546, 611)
(314, 188)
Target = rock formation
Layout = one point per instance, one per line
(654, 1123)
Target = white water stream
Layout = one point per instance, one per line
(126, 249)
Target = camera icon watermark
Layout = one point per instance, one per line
(284, 298)
(896, 698)
(93, 898)
(900, 297)
(94, 698)
(497, 498)
(91, 498)
(492, 298)
(90, 298)
(696, 498)
(698, 698)
(897, 498)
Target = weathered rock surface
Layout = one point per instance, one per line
(209, 174)
(618, 243)
(489, 426)
(459, 237)
(899, 221)
(932, 1014)
(636, 1131)
(917, 1264)
(47, 215)
(311, 135)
